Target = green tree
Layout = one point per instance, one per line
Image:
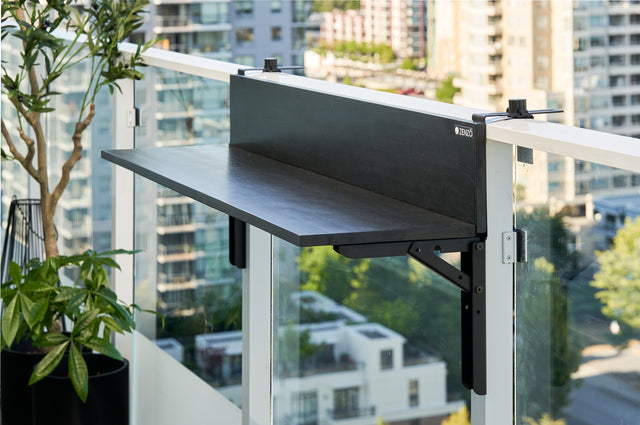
(408, 63)
(618, 280)
(548, 351)
(446, 91)
(330, 5)
(396, 292)
(294, 348)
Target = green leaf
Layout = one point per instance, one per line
(52, 338)
(15, 271)
(27, 305)
(103, 347)
(77, 300)
(48, 363)
(65, 294)
(111, 323)
(11, 321)
(79, 373)
(86, 319)
(38, 311)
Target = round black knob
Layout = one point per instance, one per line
(517, 107)
(271, 65)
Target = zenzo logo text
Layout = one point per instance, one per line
(463, 131)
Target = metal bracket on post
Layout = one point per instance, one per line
(133, 117)
(517, 109)
(514, 247)
(237, 242)
(470, 279)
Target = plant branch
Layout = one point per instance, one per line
(75, 156)
(25, 161)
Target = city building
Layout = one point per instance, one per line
(191, 239)
(356, 371)
(581, 57)
(397, 23)
(612, 212)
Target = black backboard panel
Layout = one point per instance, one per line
(430, 161)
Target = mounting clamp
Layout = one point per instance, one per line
(470, 279)
(517, 109)
(270, 65)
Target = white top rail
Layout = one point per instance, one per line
(579, 143)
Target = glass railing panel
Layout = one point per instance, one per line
(577, 330)
(372, 340)
(183, 269)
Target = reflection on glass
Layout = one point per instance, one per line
(83, 214)
(183, 269)
(577, 349)
(372, 341)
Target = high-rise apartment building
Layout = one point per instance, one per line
(400, 24)
(189, 241)
(582, 57)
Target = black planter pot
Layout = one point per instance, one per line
(16, 366)
(55, 402)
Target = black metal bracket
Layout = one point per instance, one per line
(470, 278)
(237, 242)
(517, 109)
(270, 65)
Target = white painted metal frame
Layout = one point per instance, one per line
(256, 328)
(496, 408)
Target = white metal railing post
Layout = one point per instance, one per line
(122, 232)
(496, 408)
(256, 329)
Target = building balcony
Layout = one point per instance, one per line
(351, 413)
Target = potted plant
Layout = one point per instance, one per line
(35, 303)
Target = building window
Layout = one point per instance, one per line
(298, 40)
(275, 6)
(597, 21)
(619, 100)
(386, 359)
(598, 61)
(616, 40)
(634, 39)
(346, 403)
(244, 36)
(246, 60)
(276, 33)
(617, 60)
(616, 81)
(244, 7)
(413, 393)
(305, 407)
(616, 20)
(635, 79)
(597, 41)
(620, 181)
(635, 59)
